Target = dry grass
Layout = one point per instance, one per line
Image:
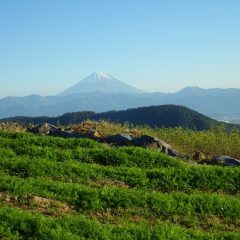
(37, 204)
(104, 128)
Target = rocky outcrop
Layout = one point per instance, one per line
(43, 128)
(121, 139)
(64, 134)
(152, 142)
(224, 161)
(143, 141)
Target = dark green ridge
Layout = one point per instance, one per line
(153, 116)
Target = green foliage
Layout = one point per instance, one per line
(216, 141)
(21, 225)
(184, 178)
(114, 193)
(85, 197)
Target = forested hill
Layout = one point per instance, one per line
(153, 116)
(160, 116)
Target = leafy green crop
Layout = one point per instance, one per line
(54, 188)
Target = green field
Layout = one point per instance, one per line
(54, 188)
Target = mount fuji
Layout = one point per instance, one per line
(100, 82)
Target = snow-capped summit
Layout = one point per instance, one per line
(98, 76)
(100, 82)
(102, 75)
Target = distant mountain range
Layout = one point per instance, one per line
(101, 92)
(153, 116)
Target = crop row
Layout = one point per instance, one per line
(204, 178)
(89, 198)
(123, 156)
(17, 224)
(26, 139)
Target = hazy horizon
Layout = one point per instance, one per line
(156, 46)
(24, 94)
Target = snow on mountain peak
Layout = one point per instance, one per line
(102, 75)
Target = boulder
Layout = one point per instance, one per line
(64, 134)
(153, 142)
(225, 160)
(43, 128)
(120, 139)
(146, 140)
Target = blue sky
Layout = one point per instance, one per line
(156, 45)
